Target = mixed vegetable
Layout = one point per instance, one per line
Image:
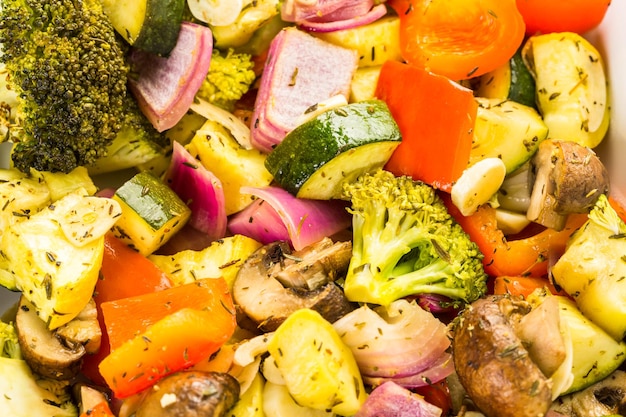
(325, 208)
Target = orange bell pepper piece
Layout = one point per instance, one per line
(124, 273)
(126, 318)
(459, 39)
(527, 256)
(171, 338)
(548, 16)
(435, 117)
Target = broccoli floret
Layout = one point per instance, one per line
(406, 243)
(136, 143)
(67, 66)
(23, 393)
(230, 76)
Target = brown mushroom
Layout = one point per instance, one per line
(191, 394)
(274, 282)
(540, 332)
(45, 352)
(565, 178)
(492, 363)
(83, 329)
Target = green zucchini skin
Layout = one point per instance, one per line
(522, 88)
(151, 213)
(152, 200)
(513, 82)
(331, 135)
(149, 25)
(159, 32)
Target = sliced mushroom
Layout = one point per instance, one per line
(607, 397)
(274, 282)
(493, 365)
(45, 352)
(314, 266)
(540, 332)
(191, 394)
(84, 329)
(565, 178)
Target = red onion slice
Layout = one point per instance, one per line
(441, 369)
(301, 70)
(326, 10)
(306, 221)
(331, 26)
(348, 11)
(260, 222)
(399, 340)
(200, 189)
(165, 87)
(435, 303)
(392, 400)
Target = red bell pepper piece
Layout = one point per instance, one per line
(435, 117)
(438, 394)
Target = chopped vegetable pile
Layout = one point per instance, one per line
(286, 207)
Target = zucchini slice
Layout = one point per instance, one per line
(317, 157)
(572, 86)
(307, 344)
(149, 25)
(151, 213)
(507, 130)
(511, 81)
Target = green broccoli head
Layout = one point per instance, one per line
(67, 67)
(230, 76)
(136, 143)
(406, 243)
